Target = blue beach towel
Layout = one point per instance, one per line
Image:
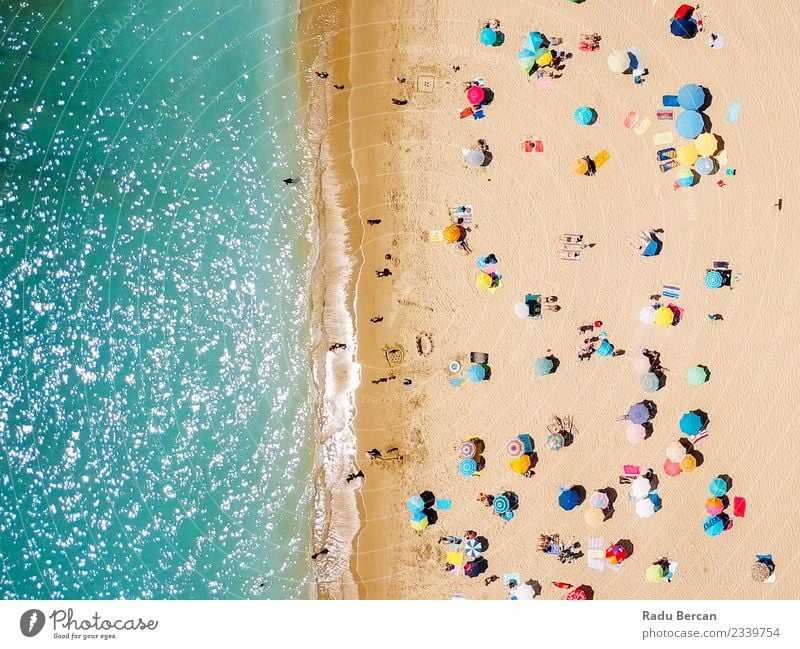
(512, 576)
(443, 504)
(734, 108)
(673, 292)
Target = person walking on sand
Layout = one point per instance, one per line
(400, 79)
(399, 102)
(353, 476)
(374, 454)
(321, 553)
(322, 75)
(373, 221)
(383, 273)
(377, 318)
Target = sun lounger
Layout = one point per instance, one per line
(631, 120)
(666, 166)
(571, 238)
(641, 127)
(666, 154)
(570, 255)
(671, 101)
(663, 138)
(721, 264)
(596, 553)
(478, 114)
(436, 235)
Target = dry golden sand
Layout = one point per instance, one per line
(408, 168)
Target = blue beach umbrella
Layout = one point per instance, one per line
(685, 177)
(691, 97)
(418, 516)
(691, 424)
(718, 487)
(543, 366)
(584, 115)
(713, 279)
(714, 525)
(534, 41)
(473, 548)
(638, 413)
(488, 36)
(689, 124)
(476, 373)
(568, 499)
(501, 504)
(526, 60)
(467, 467)
(415, 504)
(704, 166)
(684, 28)
(651, 249)
(507, 516)
(605, 349)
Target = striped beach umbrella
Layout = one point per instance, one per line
(714, 506)
(467, 467)
(650, 382)
(467, 449)
(713, 279)
(555, 441)
(501, 504)
(514, 448)
(473, 548)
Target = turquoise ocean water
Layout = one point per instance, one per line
(154, 400)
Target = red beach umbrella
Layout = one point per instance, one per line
(683, 12)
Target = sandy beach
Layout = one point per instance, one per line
(402, 165)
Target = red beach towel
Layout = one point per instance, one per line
(739, 506)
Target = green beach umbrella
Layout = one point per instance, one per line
(543, 366)
(526, 60)
(650, 382)
(697, 375)
(654, 573)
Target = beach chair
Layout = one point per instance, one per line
(436, 236)
(601, 158)
(534, 303)
(664, 138)
(666, 154)
(631, 120)
(570, 255)
(670, 101)
(596, 553)
(571, 238)
(641, 127)
(666, 166)
(466, 112)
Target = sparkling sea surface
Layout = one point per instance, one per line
(155, 429)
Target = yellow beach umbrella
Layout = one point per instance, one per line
(452, 234)
(420, 524)
(706, 144)
(521, 464)
(545, 59)
(664, 316)
(687, 155)
(654, 574)
(594, 516)
(483, 281)
(580, 167)
(688, 463)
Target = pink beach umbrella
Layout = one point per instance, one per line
(672, 468)
(635, 433)
(599, 500)
(475, 95)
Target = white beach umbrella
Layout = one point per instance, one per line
(641, 364)
(521, 310)
(647, 315)
(619, 61)
(645, 508)
(525, 591)
(475, 158)
(640, 488)
(676, 452)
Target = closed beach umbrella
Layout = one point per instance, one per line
(705, 166)
(521, 464)
(605, 349)
(689, 463)
(476, 373)
(647, 316)
(467, 467)
(645, 508)
(568, 499)
(522, 310)
(641, 364)
(690, 423)
(714, 525)
(619, 61)
(664, 316)
(706, 144)
(683, 28)
(475, 158)
(697, 375)
(640, 487)
(514, 448)
(555, 441)
(635, 433)
(684, 177)
(581, 167)
(672, 468)
(475, 95)
(714, 506)
(488, 36)
(415, 504)
(544, 57)
(691, 97)
(689, 124)
(718, 487)
(501, 504)
(594, 516)
(467, 449)
(534, 41)
(543, 366)
(650, 382)
(687, 155)
(584, 115)
(484, 281)
(473, 548)
(654, 574)
(676, 451)
(599, 500)
(453, 233)
(713, 279)
(638, 413)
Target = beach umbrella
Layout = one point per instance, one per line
(605, 349)
(676, 452)
(650, 382)
(672, 468)
(467, 449)
(488, 36)
(706, 144)
(473, 548)
(475, 158)
(583, 115)
(543, 366)
(467, 467)
(714, 525)
(415, 504)
(684, 11)
(527, 442)
(594, 516)
(581, 167)
(689, 124)
(484, 281)
(476, 373)
(683, 28)
(645, 508)
(635, 433)
(420, 524)
(544, 57)
(555, 441)
(705, 166)
(697, 375)
(568, 499)
(640, 487)
(641, 364)
(534, 41)
(475, 95)
(616, 554)
(521, 464)
(514, 448)
(501, 504)
(687, 155)
(684, 177)
(690, 423)
(718, 487)
(619, 61)
(524, 591)
(522, 310)
(760, 571)
(654, 574)
(689, 463)
(453, 233)
(638, 413)
(647, 316)
(526, 60)
(664, 316)
(652, 248)
(714, 506)
(599, 500)
(578, 594)
(691, 97)
(713, 279)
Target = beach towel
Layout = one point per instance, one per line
(670, 291)
(665, 114)
(456, 558)
(596, 553)
(698, 438)
(671, 570)
(466, 112)
(671, 101)
(538, 146)
(443, 504)
(663, 138)
(739, 506)
(734, 108)
(631, 469)
(631, 120)
(466, 215)
(601, 158)
(457, 382)
(642, 127)
(478, 114)
(512, 576)
(436, 235)
(545, 84)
